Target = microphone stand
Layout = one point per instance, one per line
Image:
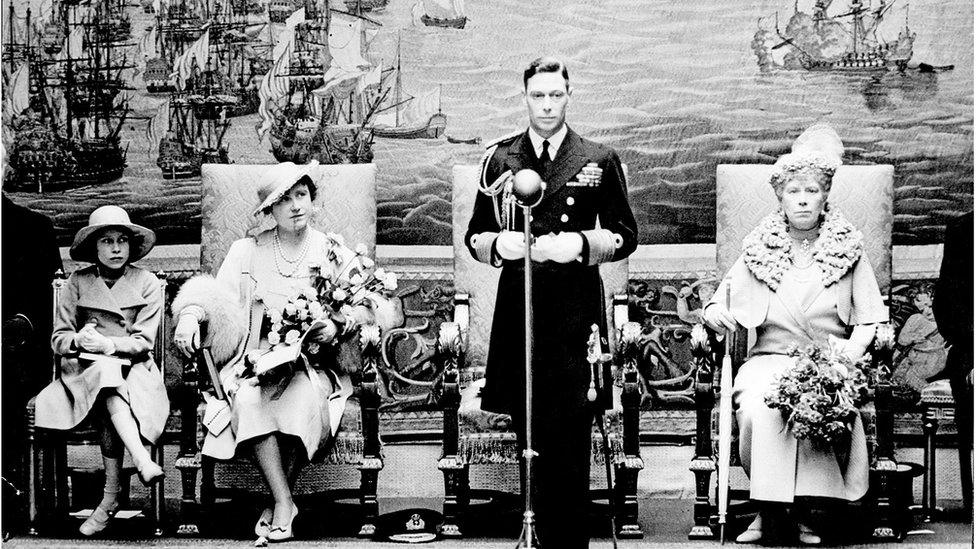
(528, 189)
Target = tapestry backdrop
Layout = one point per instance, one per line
(676, 88)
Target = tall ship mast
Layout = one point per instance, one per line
(849, 41)
(77, 108)
(179, 23)
(319, 97)
(194, 121)
(404, 116)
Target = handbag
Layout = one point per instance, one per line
(217, 415)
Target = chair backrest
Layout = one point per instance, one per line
(863, 194)
(345, 204)
(480, 281)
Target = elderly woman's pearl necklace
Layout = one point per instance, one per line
(803, 245)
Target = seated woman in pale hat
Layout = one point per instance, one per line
(287, 420)
(109, 311)
(802, 279)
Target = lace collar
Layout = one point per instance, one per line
(768, 249)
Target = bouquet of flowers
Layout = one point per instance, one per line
(821, 393)
(329, 304)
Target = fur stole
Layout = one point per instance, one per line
(768, 249)
(226, 322)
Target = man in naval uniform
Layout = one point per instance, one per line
(583, 220)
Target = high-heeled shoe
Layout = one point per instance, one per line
(806, 535)
(263, 527)
(752, 533)
(150, 472)
(98, 520)
(283, 533)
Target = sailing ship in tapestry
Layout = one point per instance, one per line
(847, 39)
(140, 95)
(64, 109)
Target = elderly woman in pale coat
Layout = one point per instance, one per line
(104, 332)
(294, 418)
(802, 279)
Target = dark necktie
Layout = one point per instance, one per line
(544, 159)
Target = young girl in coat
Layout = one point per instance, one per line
(104, 333)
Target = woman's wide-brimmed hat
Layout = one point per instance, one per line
(111, 217)
(279, 180)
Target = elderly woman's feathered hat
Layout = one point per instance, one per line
(818, 148)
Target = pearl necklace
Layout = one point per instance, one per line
(803, 249)
(294, 263)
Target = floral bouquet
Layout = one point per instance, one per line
(821, 393)
(333, 305)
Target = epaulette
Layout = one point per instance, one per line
(492, 146)
(503, 139)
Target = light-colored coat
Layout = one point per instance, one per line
(128, 314)
(232, 306)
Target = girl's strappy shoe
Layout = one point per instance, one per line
(98, 520)
(284, 533)
(262, 528)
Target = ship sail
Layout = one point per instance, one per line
(19, 91)
(158, 125)
(402, 115)
(148, 44)
(74, 42)
(195, 56)
(444, 9)
(421, 108)
(286, 39)
(348, 63)
(440, 13)
(273, 88)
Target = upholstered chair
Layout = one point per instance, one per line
(49, 495)
(345, 204)
(864, 195)
(480, 453)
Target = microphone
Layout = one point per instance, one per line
(528, 188)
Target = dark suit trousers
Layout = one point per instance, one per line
(962, 393)
(561, 474)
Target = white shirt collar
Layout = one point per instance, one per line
(554, 142)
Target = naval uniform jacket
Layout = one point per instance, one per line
(568, 298)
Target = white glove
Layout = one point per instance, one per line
(187, 335)
(510, 245)
(718, 318)
(90, 340)
(561, 248)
